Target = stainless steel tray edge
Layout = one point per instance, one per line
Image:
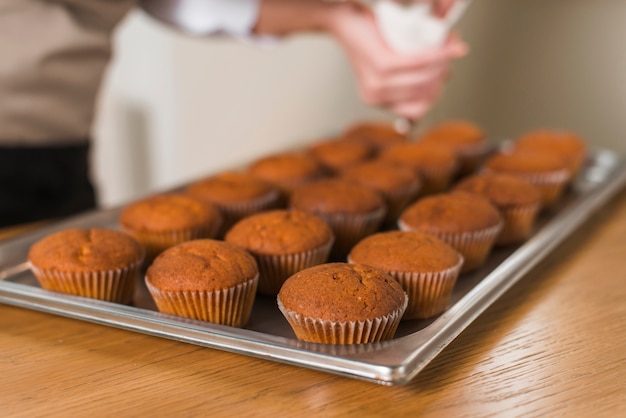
(403, 358)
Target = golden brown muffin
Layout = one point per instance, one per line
(340, 303)
(466, 221)
(352, 211)
(204, 279)
(465, 138)
(95, 263)
(397, 184)
(282, 242)
(287, 170)
(435, 164)
(566, 145)
(517, 200)
(236, 195)
(380, 135)
(547, 172)
(425, 266)
(338, 154)
(161, 221)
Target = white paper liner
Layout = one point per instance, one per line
(317, 330)
(474, 246)
(398, 200)
(275, 269)
(428, 292)
(551, 185)
(471, 157)
(231, 306)
(116, 285)
(351, 228)
(437, 180)
(233, 212)
(518, 223)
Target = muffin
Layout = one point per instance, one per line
(338, 154)
(466, 139)
(379, 135)
(547, 172)
(282, 242)
(466, 221)
(340, 303)
(352, 211)
(161, 221)
(517, 200)
(437, 165)
(425, 266)
(205, 279)
(287, 170)
(566, 145)
(397, 184)
(236, 195)
(94, 263)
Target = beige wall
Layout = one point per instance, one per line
(176, 108)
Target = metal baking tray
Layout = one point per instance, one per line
(268, 334)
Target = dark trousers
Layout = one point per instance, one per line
(46, 182)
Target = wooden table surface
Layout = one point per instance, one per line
(555, 344)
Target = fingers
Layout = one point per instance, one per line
(442, 7)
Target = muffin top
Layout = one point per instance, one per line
(525, 162)
(405, 251)
(201, 265)
(169, 212)
(451, 213)
(280, 232)
(231, 187)
(383, 176)
(560, 142)
(421, 156)
(85, 250)
(454, 133)
(378, 134)
(342, 292)
(336, 196)
(340, 153)
(287, 169)
(503, 190)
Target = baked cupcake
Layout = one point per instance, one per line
(547, 172)
(466, 139)
(352, 211)
(283, 243)
(397, 184)
(236, 195)
(425, 266)
(380, 135)
(340, 303)
(94, 263)
(338, 154)
(288, 170)
(566, 145)
(205, 279)
(161, 221)
(517, 200)
(436, 165)
(466, 221)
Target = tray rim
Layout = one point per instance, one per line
(411, 352)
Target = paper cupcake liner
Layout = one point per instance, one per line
(231, 306)
(518, 223)
(471, 157)
(116, 285)
(351, 228)
(233, 212)
(275, 269)
(317, 330)
(474, 246)
(155, 242)
(437, 180)
(398, 200)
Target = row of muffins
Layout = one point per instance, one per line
(335, 198)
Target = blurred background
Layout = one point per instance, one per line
(175, 108)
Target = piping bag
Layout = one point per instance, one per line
(411, 27)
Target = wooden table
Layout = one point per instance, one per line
(555, 344)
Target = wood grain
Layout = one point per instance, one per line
(555, 344)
